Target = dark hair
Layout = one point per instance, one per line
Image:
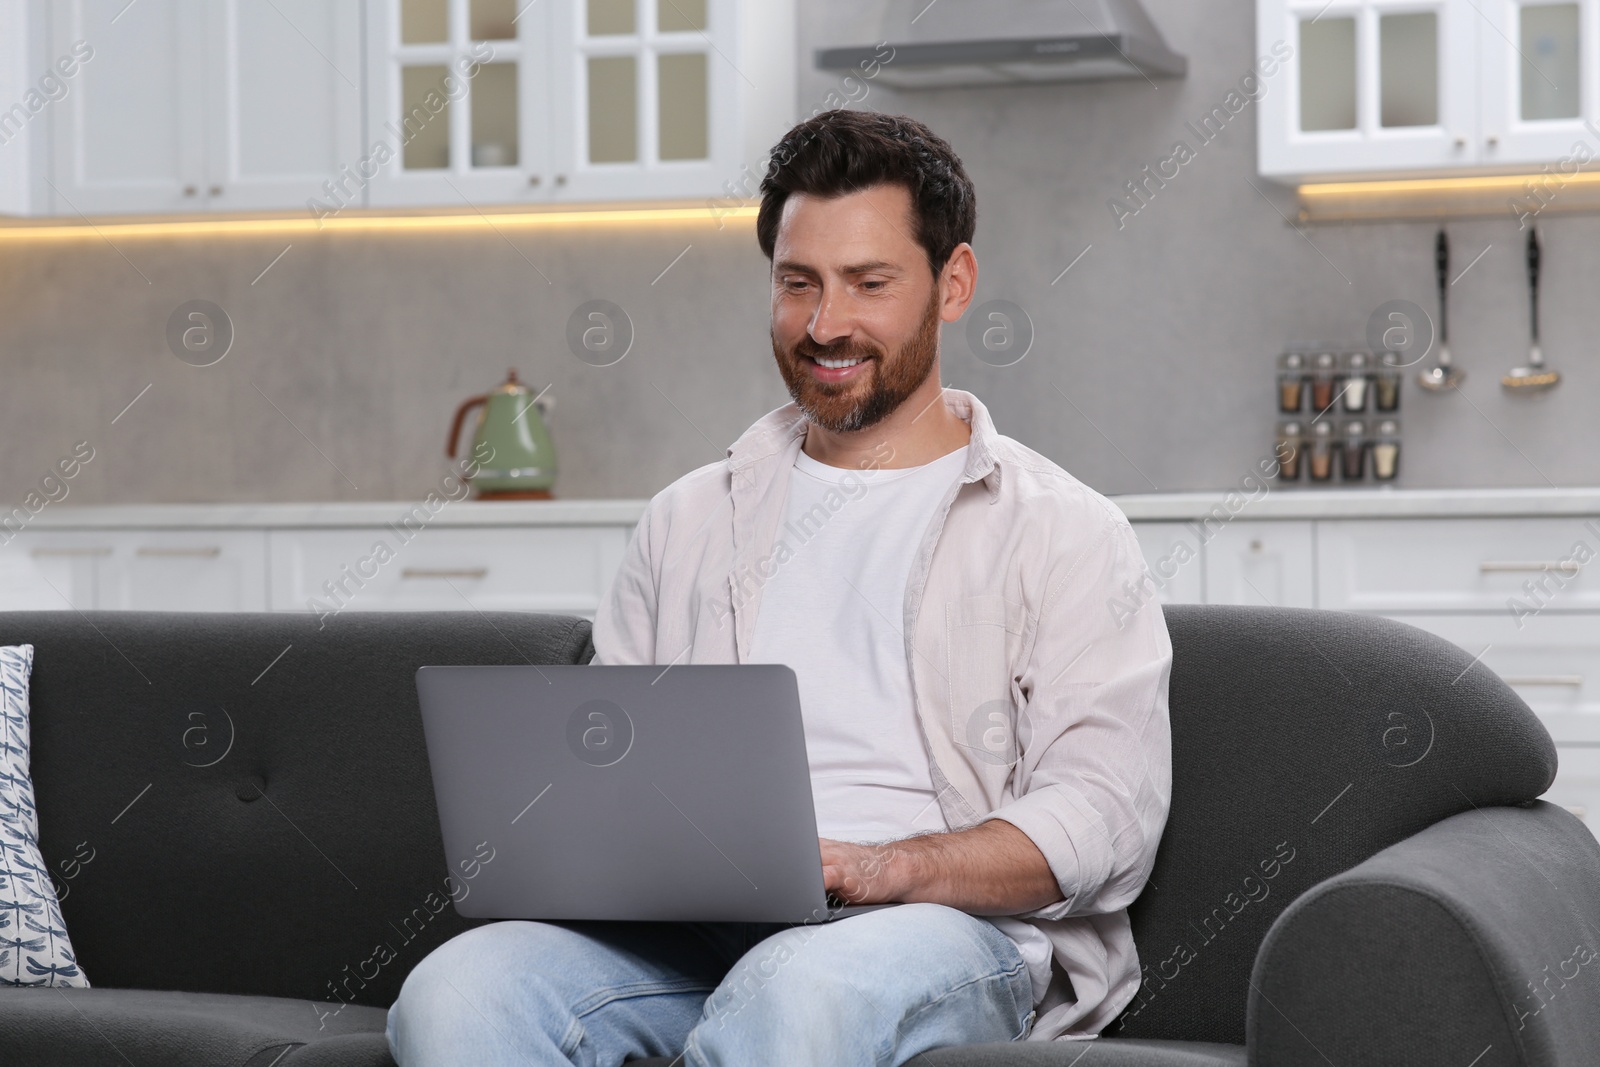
(846, 151)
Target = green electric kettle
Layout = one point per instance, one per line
(518, 459)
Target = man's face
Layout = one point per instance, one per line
(855, 310)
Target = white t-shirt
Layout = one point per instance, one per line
(833, 611)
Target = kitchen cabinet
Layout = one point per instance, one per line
(1541, 86)
(130, 137)
(134, 570)
(1412, 87)
(283, 112)
(1172, 554)
(458, 109)
(185, 106)
(174, 570)
(16, 143)
(557, 556)
(578, 100)
(560, 570)
(51, 571)
(1261, 563)
(1431, 565)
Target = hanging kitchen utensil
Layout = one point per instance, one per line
(1443, 376)
(518, 459)
(1533, 376)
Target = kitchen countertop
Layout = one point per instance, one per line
(362, 513)
(1339, 503)
(1298, 503)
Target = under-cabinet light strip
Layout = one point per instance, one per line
(1519, 196)
(195, 227)
(1499, 182)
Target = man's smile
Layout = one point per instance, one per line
(835, 370)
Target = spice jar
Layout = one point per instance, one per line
(1386, 451)
(1290, 446)
(1291, 382)
(1324, 367)
(1320, 451)
(1357, 379)
(1353, 452)
(1386, 382)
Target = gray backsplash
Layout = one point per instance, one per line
(1151, 368)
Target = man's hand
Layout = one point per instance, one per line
(861, 874)
(991, 869)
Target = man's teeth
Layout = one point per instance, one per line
(837, 364)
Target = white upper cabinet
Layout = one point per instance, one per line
(1372, 88)
(130, 136)
(456, 102)
(472, 103)
(644, 91)
(16, 142)
(1541, 90)
(182, 106)
(284, 100)
(195, 105)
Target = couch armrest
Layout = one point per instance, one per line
(1476, 941)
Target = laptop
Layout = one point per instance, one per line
(625, 792)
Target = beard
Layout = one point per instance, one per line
(844, 407)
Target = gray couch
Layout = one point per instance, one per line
(1355, 870)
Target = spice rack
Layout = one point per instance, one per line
(1338, 421)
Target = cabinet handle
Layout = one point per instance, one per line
(430, 572)
(1574, 681)
(1491, 566)
(210, 552)
(190, 190)
(1493, 141)
(215, 190)
(533, 179)
(561, 179)
(71, 552)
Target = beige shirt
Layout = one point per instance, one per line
(1038, 655)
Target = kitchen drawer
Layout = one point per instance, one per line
(1552, 661)
(52, 570)
(1400, 565)
(180, 570)
(561, 569)
(1577, 784)
(1261, 563)
(1172, 552)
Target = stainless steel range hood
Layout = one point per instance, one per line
(946, 43)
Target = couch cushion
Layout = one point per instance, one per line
(115, 1027)
(1303, 742)
(255, 790)
(34, 947)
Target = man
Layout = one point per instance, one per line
(986, 722)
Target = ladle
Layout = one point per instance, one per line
(1444, 376)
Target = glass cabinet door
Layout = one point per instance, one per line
(1541, 86)
(1369, 85)
(636, 109)
(456, 102)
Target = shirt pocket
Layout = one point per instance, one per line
(981, 638)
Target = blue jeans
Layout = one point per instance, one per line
(876, 988)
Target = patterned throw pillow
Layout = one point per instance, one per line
(34, 950)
